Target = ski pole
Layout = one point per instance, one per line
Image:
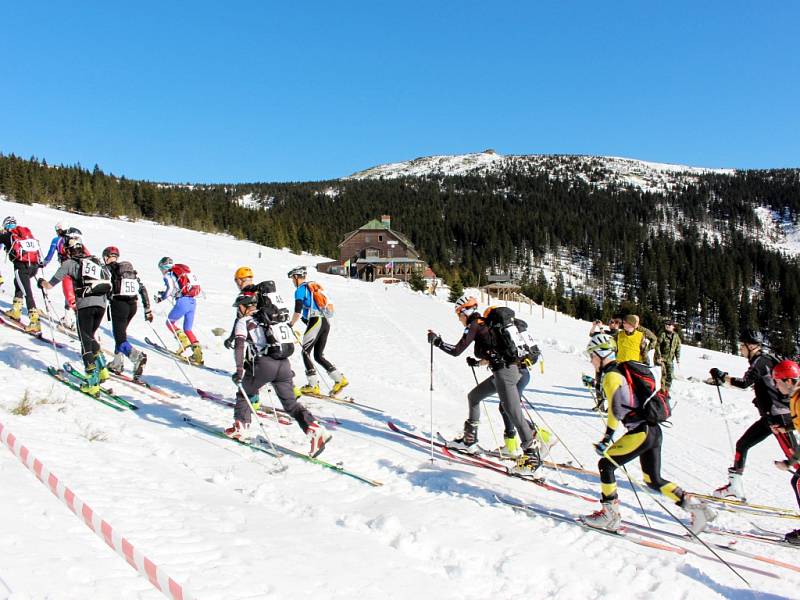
(174, 359)
(260, 424)
(681, 523)
(272, 404)
(52, 333)
(486, 410)
(431, 400)
(546, 424)
(724, 418)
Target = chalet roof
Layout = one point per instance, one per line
(373, 225)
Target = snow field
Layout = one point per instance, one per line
(217, 518)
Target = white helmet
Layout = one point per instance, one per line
(603, 345)
(466, 305)
(61, 226)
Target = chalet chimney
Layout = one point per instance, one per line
(386, 220)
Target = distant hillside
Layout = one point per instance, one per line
(713, 248)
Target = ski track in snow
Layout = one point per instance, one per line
(219, 520)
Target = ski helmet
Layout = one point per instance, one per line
(165, 264)
(73, 232)
(300, 272)
(9, 223)
(466, 305)
(111, 251)
(61, 228)
(243, 273)
(603, 345)
(245, 299)
(786, 369)
(749, 336)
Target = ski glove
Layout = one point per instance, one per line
(602, 446)
(40, 283)
(434, 338)
(237, 377)
(718, 376)
(228, 343)
(148, 316)
(473, 362)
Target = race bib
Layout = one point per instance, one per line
(91, 270)
(128, 287)
(29, 245)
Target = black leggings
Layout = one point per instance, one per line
(23, 273)
(315, 337)
(122, 311)
(89, 320)
(755, 434)
(643, 442)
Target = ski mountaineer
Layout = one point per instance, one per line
(182, 285)
(92, 283)
(262, 356)
(125, 287)
(634, 342)
(504, 381)
(787, 379)
(23, 251)
(641, 440)
(668, 350)
(58, 249)
(773, 407)
(316, 335)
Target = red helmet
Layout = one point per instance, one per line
(111, 251)
(786, 369)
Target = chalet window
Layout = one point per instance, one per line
(372, 253)
(366, 238)
(380, 238)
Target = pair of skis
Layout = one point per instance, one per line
(38, 336)
(258, 446)
(74, 379)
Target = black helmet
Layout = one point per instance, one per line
(74, 247)
(748, 336)
(245, 299)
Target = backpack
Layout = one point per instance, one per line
(126, 283)
(269, 303)
(507, 342)
(281, 340)
(95, 278)
(652, 406)
(24, 246)
(188, 282)
(324, 305)
(532, 352)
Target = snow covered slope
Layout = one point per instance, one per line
(219, 520)
(600, 171)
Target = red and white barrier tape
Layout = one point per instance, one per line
(165, 584)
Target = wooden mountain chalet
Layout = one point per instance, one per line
(376, 250)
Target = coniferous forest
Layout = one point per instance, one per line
(694, 254)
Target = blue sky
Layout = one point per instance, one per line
(266, 91)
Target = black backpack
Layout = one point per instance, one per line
(95, 278)
(125, 281)
(652, 406)
(507, 343)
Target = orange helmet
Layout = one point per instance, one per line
(466, 303)
(243, 273)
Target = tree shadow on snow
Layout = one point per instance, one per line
(738, 593)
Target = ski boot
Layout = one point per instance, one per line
(69, 319)
(337, 387)
(607, 518)
(793, 537)
(102, 368)
(701, 513)
(313, 384)
(183, 340)
(510, 445)
(92, 384)
(545, 440)
(197, 354)
(318, 437)
(239, 431)
(139, 360)
(33, 326)
(297, 392)
(468, 442)
(117, 364)
(530, 461)
(734, 489)
(15, 312)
